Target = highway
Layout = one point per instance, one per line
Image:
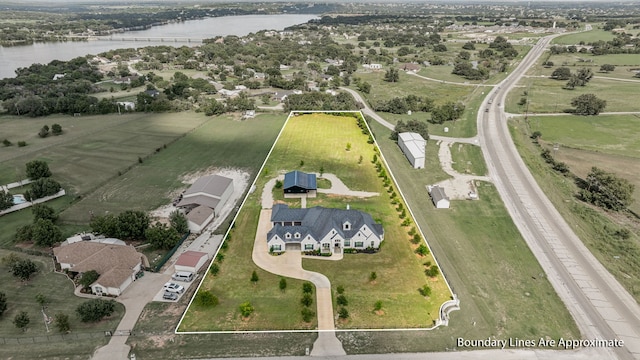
(601, 307)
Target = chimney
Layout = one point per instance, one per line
(348, 207)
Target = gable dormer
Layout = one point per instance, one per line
(296, 235)
(346, 226)
(287, 235)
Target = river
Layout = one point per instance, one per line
(16, 57)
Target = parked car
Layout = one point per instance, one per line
(170, 296)
(173, 287)
(183, 276)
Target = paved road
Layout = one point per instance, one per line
(601, 307)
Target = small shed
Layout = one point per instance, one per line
(439, 198)
(191, 261)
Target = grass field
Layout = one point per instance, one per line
(57, 288)
(321, 141)
(610, 142)
(596, 34)
(548, 96)
(594, 227)
(467, 159)
(148, 185)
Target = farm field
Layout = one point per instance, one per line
(149, 184)
(402, 302)
(595, 227)
(83, 339)
(596, 34)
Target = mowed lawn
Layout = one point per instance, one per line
(218, 142)
(320, 140)
(82, 340)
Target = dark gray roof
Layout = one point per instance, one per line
(301, 179)
(319, 221)
(437, 194)
(214, 185)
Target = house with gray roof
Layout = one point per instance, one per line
(298, 182)
(205, 199)
(324, 229)
(439, 198)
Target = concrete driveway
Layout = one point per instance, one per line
(134, 299)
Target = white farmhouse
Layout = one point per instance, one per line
(322, 229)
(413, 147)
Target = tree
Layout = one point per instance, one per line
(343, 313)
(56, 129)
(283, 284)
(365, 87)
(44, 131)
(95, 310)
(425, 290)
(3, 303)
(160, 236)
(37, 169)
(422, 250)
(561, 73)
(377, 306)
(179, 222)
(206, 298)
(62, 322)
(411, 125)
(606, 190)
(41, 299)
(6, 143)
(307, 287)
(45, 233)
(215, 269)
(43, 187)
(342, 300)
(432, 271)
(373, 276)
(21, 320)
(24, 233)
(23, 269)
(41, 211)
(307, 314)
(6, 200)
(469, 46)
(588, 104)
(254, 277)
(392, 75)
(88, 278)
(132, 224)
(214, 107)
(246, 309)
(340, 289)
(607, 68)
(306, 299)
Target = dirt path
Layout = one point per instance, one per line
(460, 185)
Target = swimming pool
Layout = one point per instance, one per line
(19, 199)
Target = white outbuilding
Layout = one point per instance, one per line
(203, 201)
(439, 198)
(413, 146)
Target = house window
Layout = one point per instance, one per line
(346, 226)
(308, 246)
(347, 243)
(296, 235)
(277, 247)
(359, 244)
(287, 236)
(372, 243)
(326, 245)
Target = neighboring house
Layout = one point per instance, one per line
(91, 237)
(116, 264)
(410, 67)
(152, 92)
(249, 114)
(439, 198)
(298, 182)
(127, 105)
(126, 79)
(58, 76)
(281, 95)
(259, 75)
(323, 229)
(229, 93)
(191, 261)
(206, 197)
(372, 66)
(413, 147)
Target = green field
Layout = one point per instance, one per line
(596, 228)
(548, 96)
(467, 159)
(58, 289)
(596, 34)
(148, 185)
(320, 140)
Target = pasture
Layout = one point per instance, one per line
(321, 141)
(595, 227)
(597, 34)
(58, 289)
